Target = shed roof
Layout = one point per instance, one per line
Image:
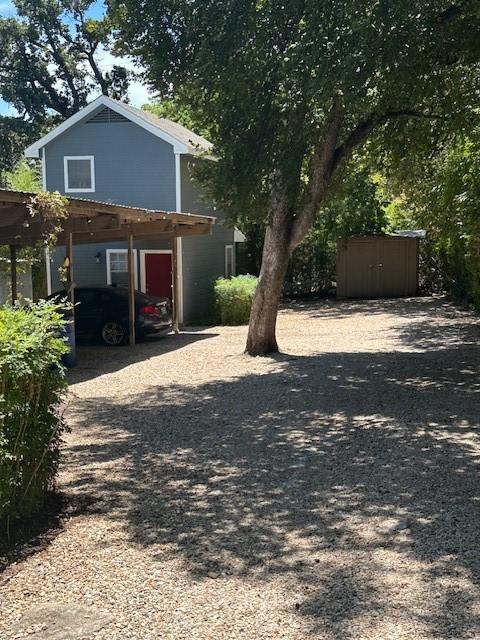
(93, 221)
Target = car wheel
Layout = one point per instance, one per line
(113, 334)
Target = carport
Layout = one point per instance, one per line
(88, 222)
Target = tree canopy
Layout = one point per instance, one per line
(49, 65)
(293, 88)
(267, 74)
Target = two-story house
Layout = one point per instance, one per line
(112, 152)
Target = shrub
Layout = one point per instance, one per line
(32, 383)
(233, 299)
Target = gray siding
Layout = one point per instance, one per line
(135, 168)
(203, 257)
(132, 166)
(87, 272)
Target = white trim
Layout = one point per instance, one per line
(44, 171)
(178, 206)
(238, 236)
(92, 174)
(232, 248)
(34, 149)
(178, 182)
(107, 260)
(143, 273)
(48, 268)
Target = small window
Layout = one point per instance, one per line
(117, 267)
(229, 261)
(79, 174)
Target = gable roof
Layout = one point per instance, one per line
(182, 139)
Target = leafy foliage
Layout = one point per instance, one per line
(266, 73)
(233, 299)
(179, 111)
(32, 383)
(49, 65)
(24, 177)
(442, 195)
(51, 209)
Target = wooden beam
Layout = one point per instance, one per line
(13, 272)
(129, 215)
(131, 290)
(175, 283)
(34, 231)
(202, 229)
(12, 215)
(140, 230)
(29, 238)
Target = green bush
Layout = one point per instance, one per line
(233, 299)
(32, 384)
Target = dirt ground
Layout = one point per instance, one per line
(329, 492)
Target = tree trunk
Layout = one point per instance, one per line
(285, 232)
(263, 317)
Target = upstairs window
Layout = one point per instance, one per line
(79, 174)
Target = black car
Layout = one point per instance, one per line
(101, 313)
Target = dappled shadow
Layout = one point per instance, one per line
(320, 474)
(418, 307)
(98, 360)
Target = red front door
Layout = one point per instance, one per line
(158, 274)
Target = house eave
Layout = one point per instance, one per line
(33, 151)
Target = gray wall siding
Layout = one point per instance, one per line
(132, 166)
(203, 257)
(135, 168)
(87, 272)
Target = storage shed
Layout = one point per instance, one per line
(378, 266)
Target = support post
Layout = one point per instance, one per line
(13, 272)
(175, 287)
(69, 264)
(70, 358)
(131, 290)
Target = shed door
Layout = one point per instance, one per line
(394, 269)
(158, 274)
(362, 269)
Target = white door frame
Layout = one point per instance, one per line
(143, 273)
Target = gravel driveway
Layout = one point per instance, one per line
(329, 492)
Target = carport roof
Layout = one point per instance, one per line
(93, 221)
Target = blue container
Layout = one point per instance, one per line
(70, 358)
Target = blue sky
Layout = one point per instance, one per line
(138, 92)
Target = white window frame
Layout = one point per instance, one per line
(232, 248)
(109, 268)
(143, 271)
(92, 173)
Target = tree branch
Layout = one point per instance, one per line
(90, 53)
(328, 156)
(320, 172)
(360, 133)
